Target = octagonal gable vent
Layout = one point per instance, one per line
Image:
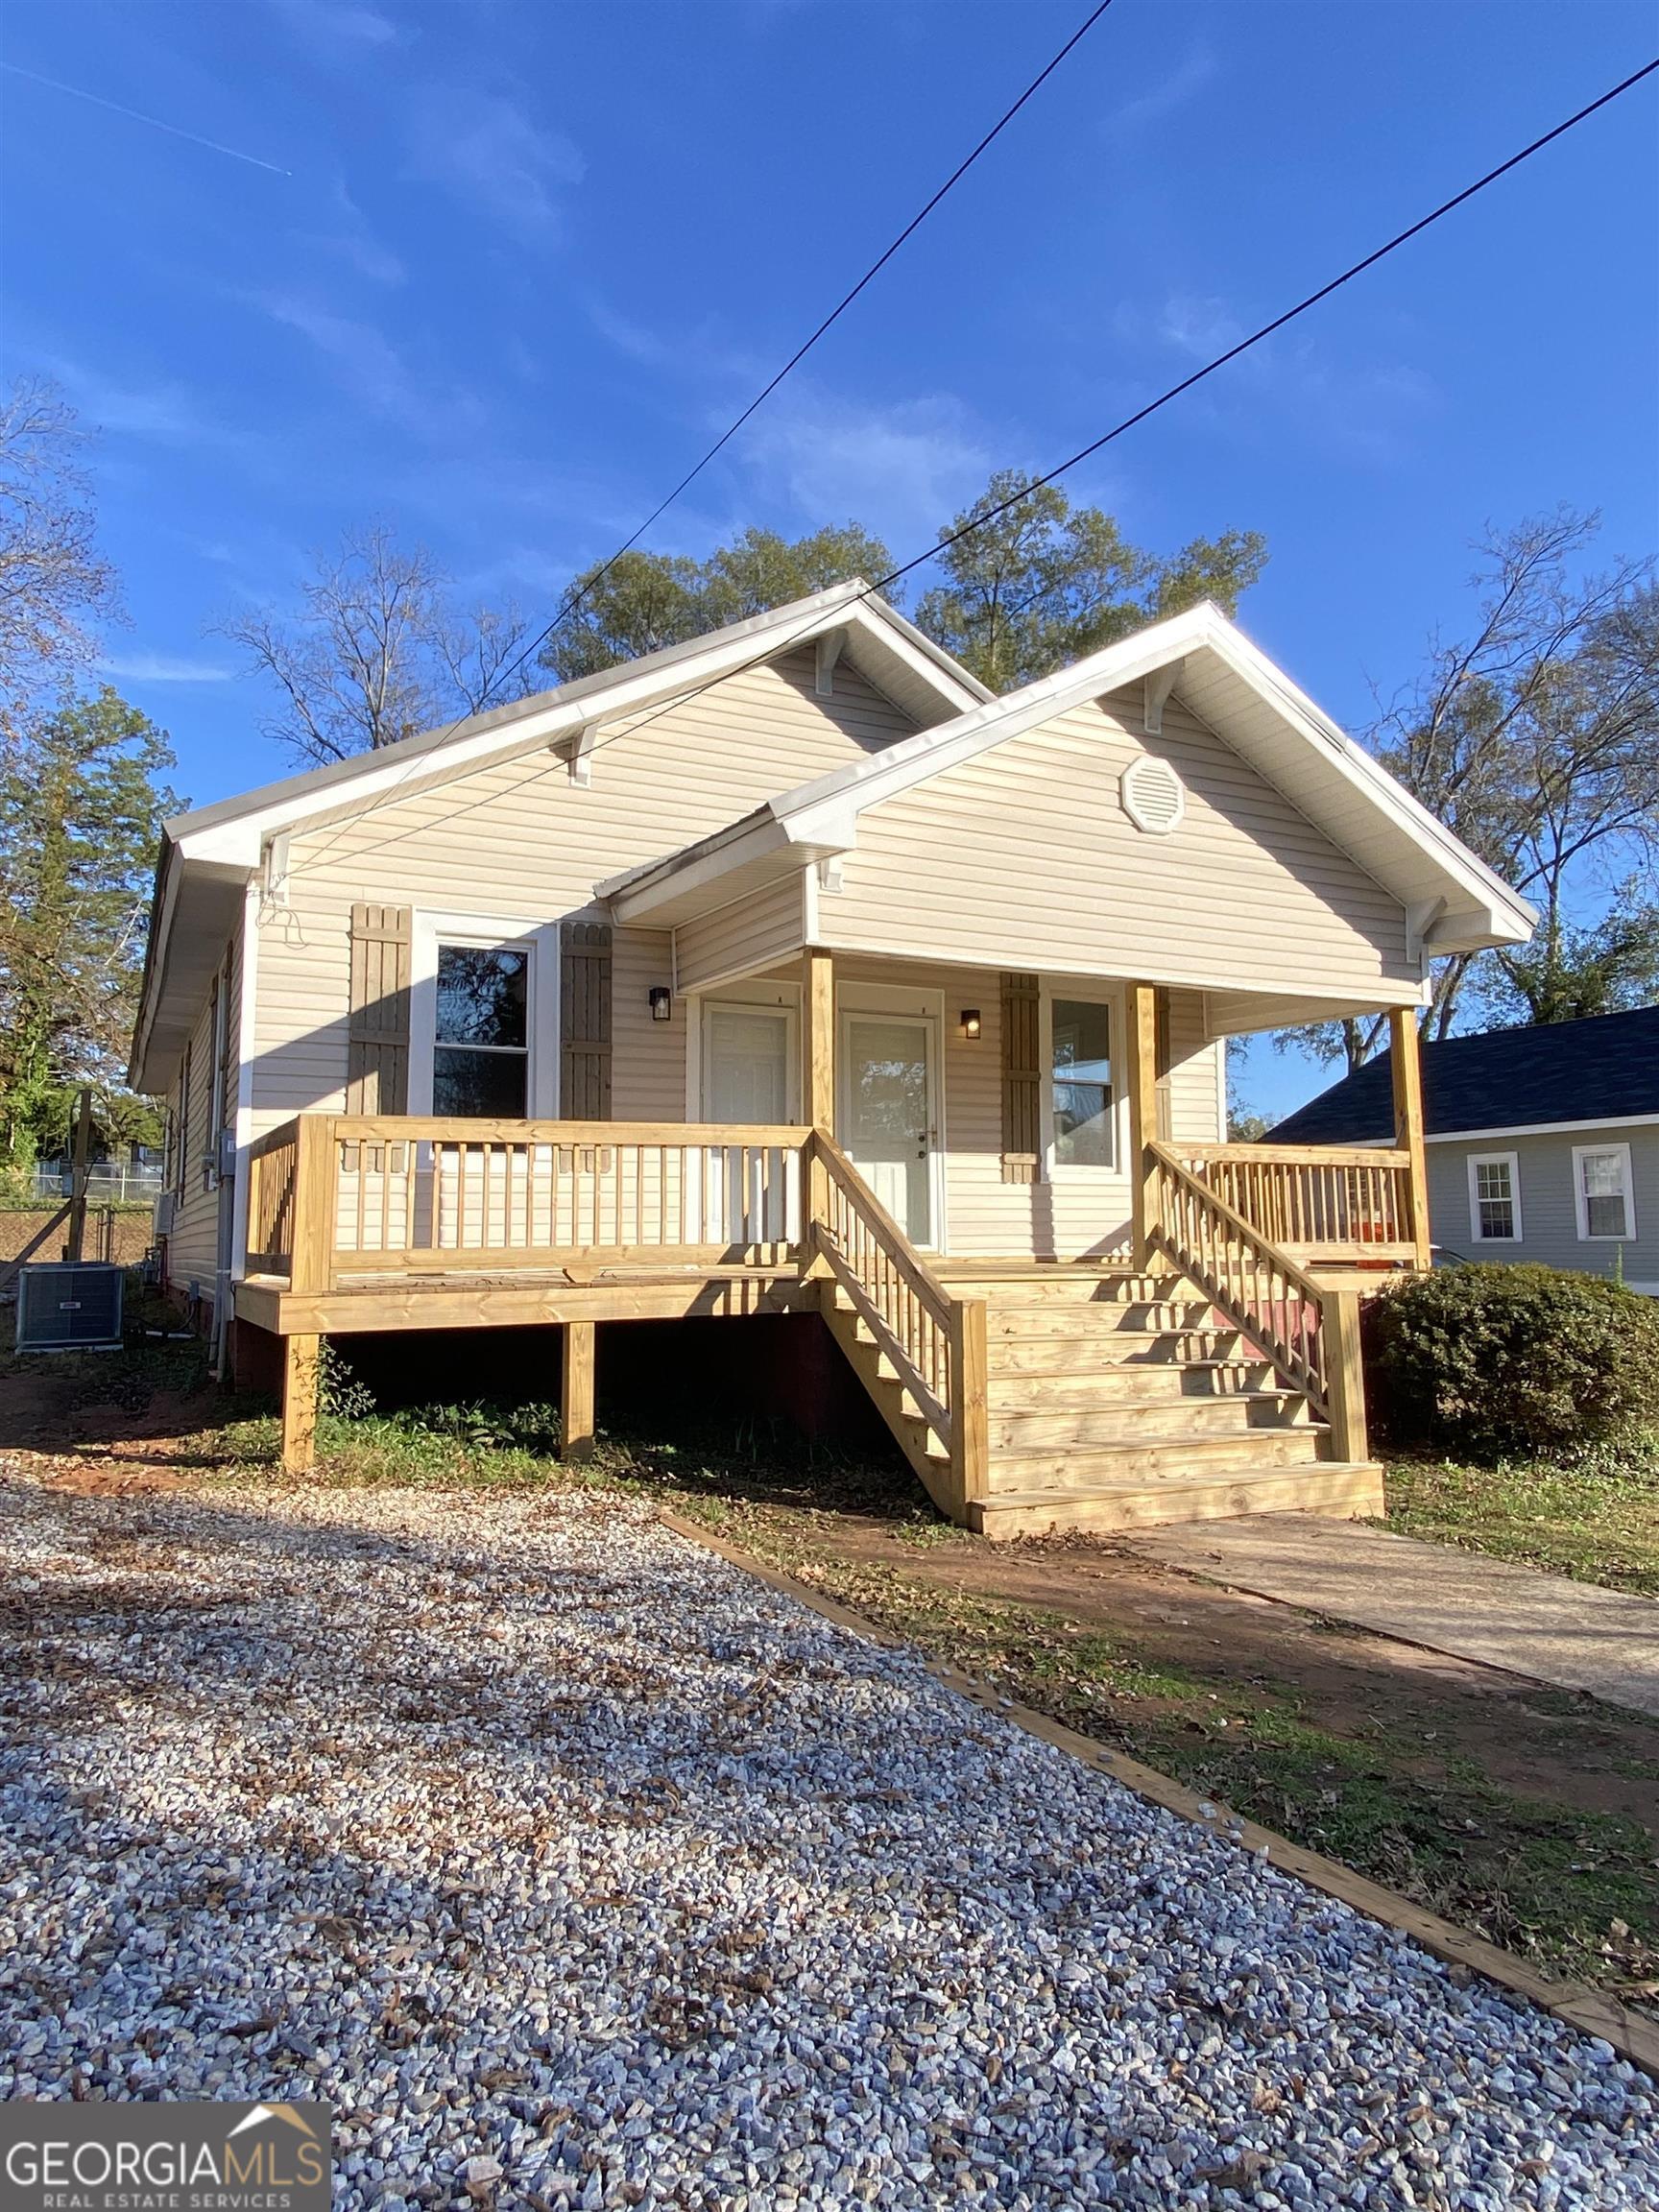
(1152, 796)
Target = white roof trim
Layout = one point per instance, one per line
(234, 829)
(1485, 909)
(1543, 1128)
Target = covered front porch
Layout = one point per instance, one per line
(945, 1172)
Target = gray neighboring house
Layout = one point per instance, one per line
(1543, 1144)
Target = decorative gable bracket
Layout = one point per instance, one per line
(576, 750)
(1159, 686)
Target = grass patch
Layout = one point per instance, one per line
(1595, 1519)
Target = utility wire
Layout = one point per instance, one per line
(1086, 452)
(574, 598)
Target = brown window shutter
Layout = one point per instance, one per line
(377, 1053)
(1162, 1059)
(585, 1021)
(1021, 1079)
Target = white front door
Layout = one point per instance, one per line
(888, 1118)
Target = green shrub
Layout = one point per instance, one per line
(1480, 1362)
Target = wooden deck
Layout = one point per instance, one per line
(1206, 1371)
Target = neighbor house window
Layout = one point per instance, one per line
(1602, 1191)
(481, 1047)
(1494, 1198)
(1080, 1081)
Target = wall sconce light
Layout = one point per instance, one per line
(661, 1003)
(971, 1022)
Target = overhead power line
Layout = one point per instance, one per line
(574, 598)
(1118, 429)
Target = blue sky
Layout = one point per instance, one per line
(508, 266)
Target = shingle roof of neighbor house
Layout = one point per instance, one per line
(1603, 1070)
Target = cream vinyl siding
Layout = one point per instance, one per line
(1023, 857)
(749, 934)
(647, 1058)
(520, 839)
(193, 1248)
(1066, 1216)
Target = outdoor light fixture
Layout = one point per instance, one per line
(661, 1003)
(970, 1021)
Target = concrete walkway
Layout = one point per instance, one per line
(1571, 1634)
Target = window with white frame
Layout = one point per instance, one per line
(481, 1038)
(1494, 1198)
(1602, 1193)
(1080, 1083)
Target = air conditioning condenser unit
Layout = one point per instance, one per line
(69, 1305)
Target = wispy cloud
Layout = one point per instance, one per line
(162, 668)
(166, 412)
(1183, 82)
(350, 239)
(491, 153)
(900, 470)
(340, 23)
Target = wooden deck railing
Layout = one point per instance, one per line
(934, 1342)
(273, 1177)
(1310, 1331)
(1323, 1203)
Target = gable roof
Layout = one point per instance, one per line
(1454, 901)
(1605, 1068)
(209, 855)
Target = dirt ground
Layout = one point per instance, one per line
(1523, 1736)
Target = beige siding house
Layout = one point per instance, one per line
(790, 971)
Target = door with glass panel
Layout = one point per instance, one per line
(889, 1117)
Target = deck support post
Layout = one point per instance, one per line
(1407, 1068)
(576, 1400)
(1141, 1058)
(970, 1418)
(301, 1356)
(1345, 1376)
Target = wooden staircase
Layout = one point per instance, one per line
(1037, 1398)
(1116, 1401)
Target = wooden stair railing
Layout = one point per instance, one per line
(934, 1342)
(1311, 1333)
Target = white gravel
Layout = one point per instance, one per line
(535, 1838)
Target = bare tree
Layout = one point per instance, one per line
(375, 653)
(54, 582)
(1535, 740)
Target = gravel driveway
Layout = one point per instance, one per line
(530, 1835)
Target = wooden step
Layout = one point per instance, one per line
(1342, 1490)
(1067, 1466)
(1103, 1383)
(1080, 1290)
(1136, 1421)
(1051, 1353)
(1078, 1317)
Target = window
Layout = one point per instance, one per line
(1494, 1198)
(1602, 1191)
(1080, 1081)
(481, 1043)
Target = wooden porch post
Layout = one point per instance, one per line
(817, 1084)
(1142, 1081)
(576, 1401)
(316, 1159)
(1345, 1374)
(969, 1417)
(818, 1039)
(1408, 1072)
